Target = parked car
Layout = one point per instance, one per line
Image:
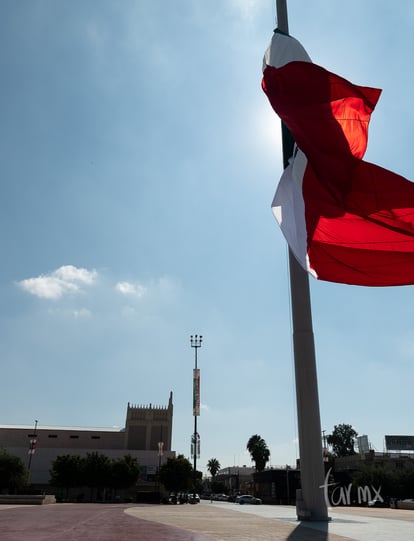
(193, 498)
(376, 502)
(183, 497)
(246, 498)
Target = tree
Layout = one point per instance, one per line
(176, 474)
(342, 440)
(213, 466)
(259, 451)
(97, 471)
(218, 487)
(67, 472)
(13, 472)
(395, 480)
(124, 472)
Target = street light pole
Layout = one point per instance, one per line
(32, 448)
(160, 454)
(195, 342)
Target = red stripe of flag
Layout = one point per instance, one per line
(358, 223)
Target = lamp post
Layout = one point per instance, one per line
(195, 342)
(32, 447)
(160, 454)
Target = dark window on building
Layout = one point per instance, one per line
(52, 436)
(96, 437)
(74, 437)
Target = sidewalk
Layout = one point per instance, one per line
(229, 522)
(222, 524)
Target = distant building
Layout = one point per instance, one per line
(400, 444)
(363, 444)
(272, 485)
(351, 463)
(236, 479)
(145, 427)
(277, 485)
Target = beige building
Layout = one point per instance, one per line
(145, 427)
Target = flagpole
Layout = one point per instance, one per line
(310, 502)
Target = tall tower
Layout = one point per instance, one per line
(145, 426)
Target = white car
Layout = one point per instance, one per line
(246, 498)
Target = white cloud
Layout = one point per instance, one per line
(73, 274)
(65, 279)
(130, 289)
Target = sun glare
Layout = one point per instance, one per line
(266, 129)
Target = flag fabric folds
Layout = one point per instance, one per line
(346, 220)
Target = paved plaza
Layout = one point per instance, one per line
(224, 521)
(217, 521)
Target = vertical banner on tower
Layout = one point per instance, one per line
(32, 447)
(195, 445)
(196, 392)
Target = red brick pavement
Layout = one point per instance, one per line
(84, 522)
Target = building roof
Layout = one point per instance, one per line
(72, 428)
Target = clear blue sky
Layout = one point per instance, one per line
(139, 158)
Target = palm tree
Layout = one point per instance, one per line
(213, 466)
(259, 451)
